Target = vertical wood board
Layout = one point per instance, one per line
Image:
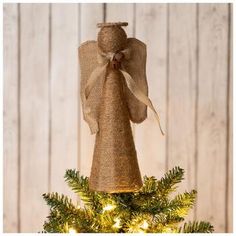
(229, 181)
(212, 114)
(88, 31)
(151, 28)
(182, 92)
(10, 118)
(121, 12)
(34, 115)
(64, 94)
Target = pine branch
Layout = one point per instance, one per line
(63, 214)
(55, 223)
(149, 185)
(149, 210)
(197, 227)
(61, 203)
(167, 184)
(147, 199)
(153, 195)
(137, 222)
(181, 204)
(95, 200)
(80, 185)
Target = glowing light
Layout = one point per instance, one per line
(108, 207)
(72, 231)
(117, 224)
(167, 230)
(144, 225)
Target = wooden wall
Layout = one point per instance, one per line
(189, 70)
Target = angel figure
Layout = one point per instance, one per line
(114, 91)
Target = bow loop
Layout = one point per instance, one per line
(104, 58)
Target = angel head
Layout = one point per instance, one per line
(112, 37)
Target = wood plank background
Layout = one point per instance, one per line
(189, 70)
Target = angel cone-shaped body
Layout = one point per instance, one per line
(115, 167)
(112, 106)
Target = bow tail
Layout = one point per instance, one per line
(140, 95)
(93, 79)
(91, 82)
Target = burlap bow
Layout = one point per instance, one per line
(103, 60)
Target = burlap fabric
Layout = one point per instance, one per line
(115, 167)
(109, 105)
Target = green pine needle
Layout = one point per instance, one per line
(55, 201)
(181, 204)
(197, 227)
(80, 185)
(168, 183)
(150, 210)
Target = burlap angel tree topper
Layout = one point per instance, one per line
(114, 91)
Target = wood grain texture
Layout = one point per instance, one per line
(88, 31)
(121, 12)
(212, 114)
(64, 94)
(182, 92)
(229, 181)
(151, 28)
(34, 114)
(10, 118)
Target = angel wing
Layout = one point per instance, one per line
(136, 67)
(88, 62)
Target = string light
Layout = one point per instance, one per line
(167, 230)
(108, 207)
(72, 231)
(117, 224)
(144, 225)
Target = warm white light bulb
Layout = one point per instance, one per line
(117, 224)
(72, 231)
(144, 225)
(168, 230)
(108, 207)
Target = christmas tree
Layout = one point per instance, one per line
(149, 210)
